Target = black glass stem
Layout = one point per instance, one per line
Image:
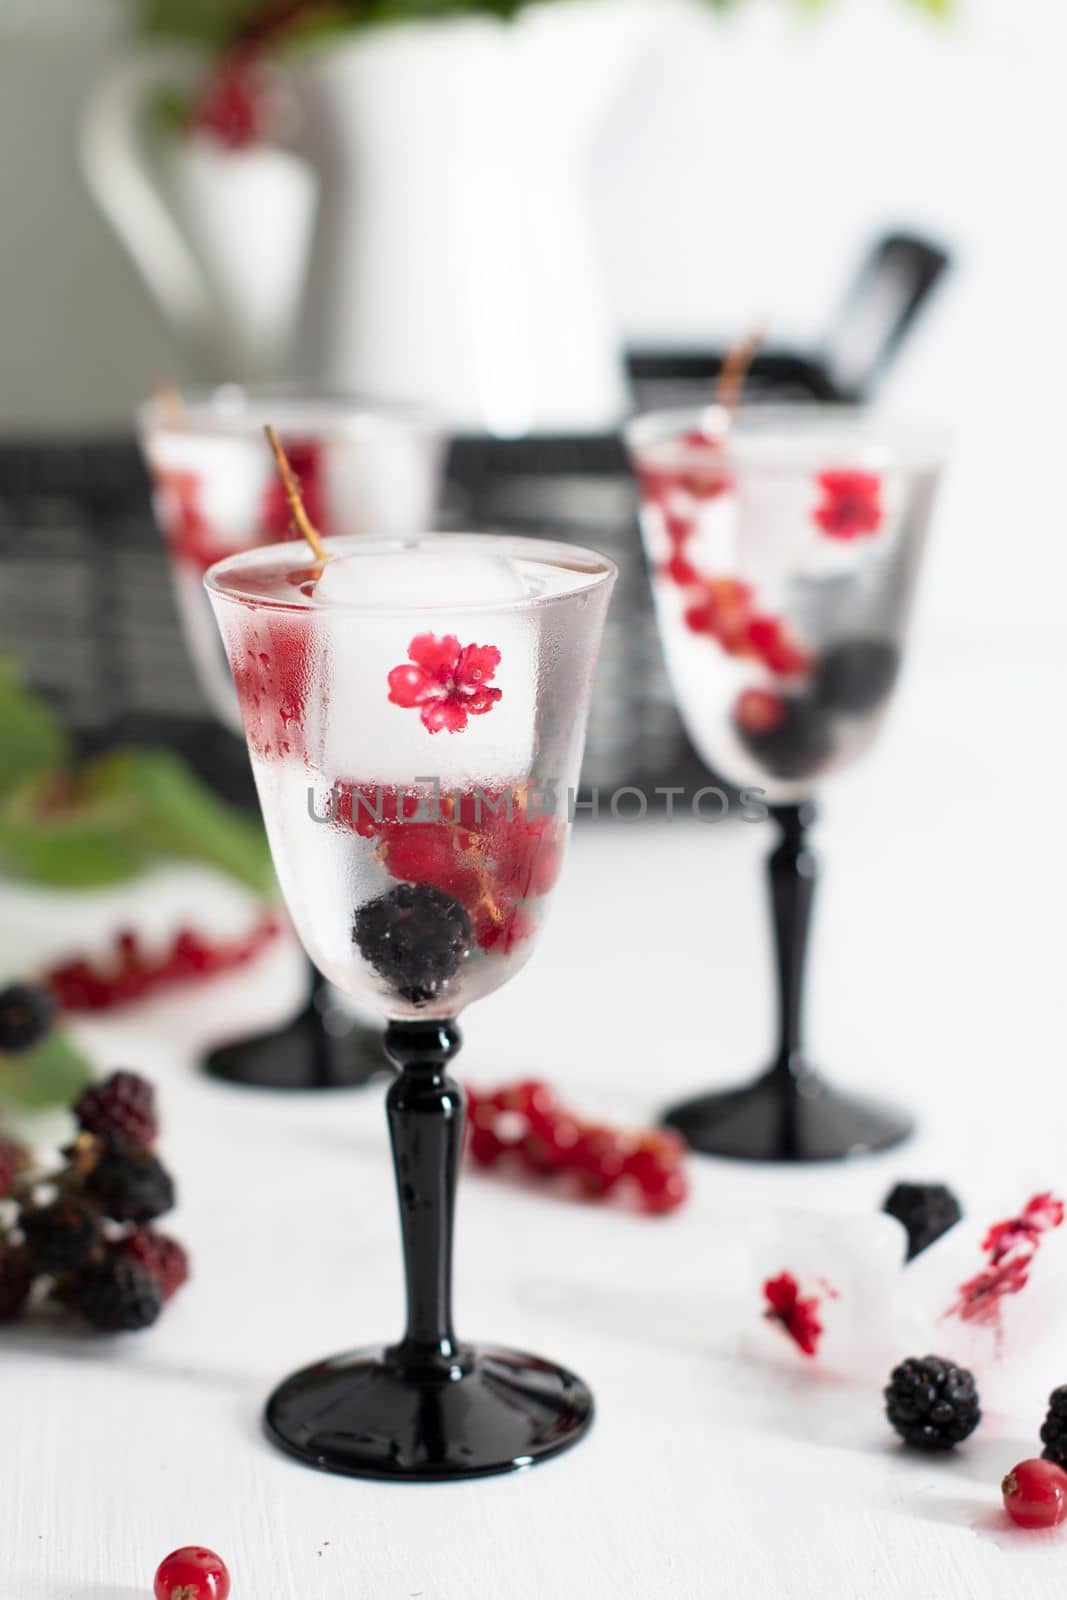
(790, 1113)
(426, 1113)
(430, 1406)
(322, 1048)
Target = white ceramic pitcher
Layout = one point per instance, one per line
(452, 259)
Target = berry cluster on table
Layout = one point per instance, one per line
(526, 1128)
(81, 1237)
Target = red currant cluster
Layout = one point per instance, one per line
(527, 1125)
(133, 974)
(723, 608)
(190, 536)
(486, 848)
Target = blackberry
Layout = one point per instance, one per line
(26, 1014)
(162, 1256)
(130, 1184)
(16, 1281)
(856, 674)
(927, 1210)
(116, 1295)
(797, 745)
(14, 1158)
(123, 1107)
(932, 1403)
(61, 1236)
(1054, 1428)
(415, 937)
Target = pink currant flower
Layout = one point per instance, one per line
(851, 506)
(447, 683)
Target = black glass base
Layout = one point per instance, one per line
(802, 1120)
(367, 1415)
(322, 1048)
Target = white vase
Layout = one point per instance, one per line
(454, 259)
(221, 237)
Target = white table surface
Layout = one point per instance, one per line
(937, 976)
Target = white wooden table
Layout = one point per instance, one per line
(937, 976)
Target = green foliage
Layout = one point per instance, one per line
(54, 1073)
(33, 739)
(209, 22)
(106, 821)
(173, 815)
(214, 23)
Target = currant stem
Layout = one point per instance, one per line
(301, 520)
(734, 370)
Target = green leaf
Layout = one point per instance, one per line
(33, 739)
(54, 1073)
(173, 814)
(207, 22)
(85, 846)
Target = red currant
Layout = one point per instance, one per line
(681, 571)
(600, 1157)
(759, 711)
(663, 1192)
(656, 484)
(776, 647)
(192, 1573)
(1035, 1494)
(426, 852)
(486, 1147)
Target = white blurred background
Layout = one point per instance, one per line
(751, 159)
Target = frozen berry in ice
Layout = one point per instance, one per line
(850, 505)
(789, 735)
(856, 675)
(416, 937)
(1035, 1494)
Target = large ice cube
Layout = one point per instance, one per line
(355, 732)
(419, 576)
